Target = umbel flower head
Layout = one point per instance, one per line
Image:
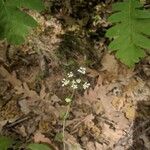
(82, 70)
(86, 85)
(70, 74)
(74, 82)
(65, 82)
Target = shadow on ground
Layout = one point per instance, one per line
(141, 128)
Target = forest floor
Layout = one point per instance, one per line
(112, 114)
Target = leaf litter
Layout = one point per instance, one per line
(99, 119)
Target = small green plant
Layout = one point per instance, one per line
(74, 81)
(130, 31)
(6, 143)
(15, 23)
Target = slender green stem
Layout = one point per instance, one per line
(64, 120)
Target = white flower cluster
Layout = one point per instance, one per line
(86, 85)
(70, 74)
(82, 70)
(75, 83)
(65, 82)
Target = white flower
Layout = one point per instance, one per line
(78, 80)
(74, 84)
(82, 70)
(68, 100)
(86, 85)
(65, 82)
(70, 74)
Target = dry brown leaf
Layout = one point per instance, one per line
(10, 77)
(24, 106)
(130, 113)
(98, 146)
(39, 137)
(55, 99)
(71, 143)
(90, 146)
(118, 102)
(112, 135)
(110, 63)
(22, 131)
(98, 107)
(92, 73)
(100, 94)
(24, 89)
(86, 120)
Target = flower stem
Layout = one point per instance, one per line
(64, 120)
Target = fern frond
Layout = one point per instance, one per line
(15, 23)
(130, 31)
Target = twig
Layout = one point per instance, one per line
(17, 122)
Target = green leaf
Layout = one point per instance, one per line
(36, 146)
(5, 143)
(130, 31)
(15, 24)
(30, 4)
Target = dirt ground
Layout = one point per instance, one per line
(113, 114)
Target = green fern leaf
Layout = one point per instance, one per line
(130, 31)
(15, 23)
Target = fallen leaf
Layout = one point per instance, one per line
(98, 107)
(55, 99)
(130, 113)
(98, 146)
(118, 102)
(112, 135)
(24, 89)
(71, 143)
(90, 146)
(22, 131)
(109, 63)
(39, 137)
(24, 106)
(10, 77)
